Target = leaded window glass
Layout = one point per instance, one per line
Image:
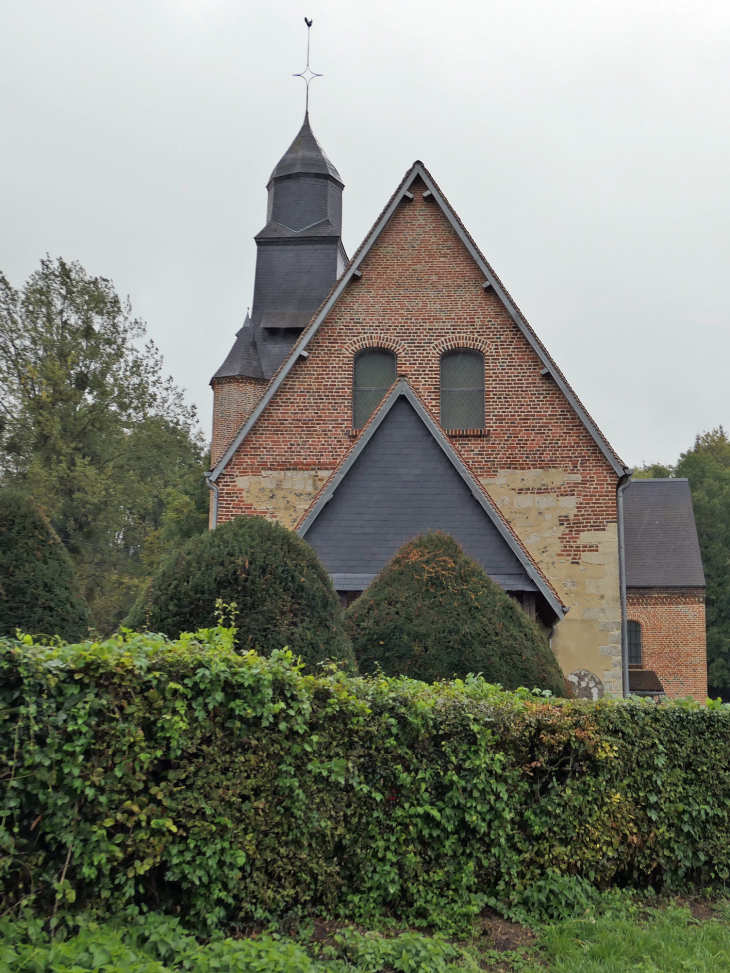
(462, 389)
(374, 373)
(635, 644)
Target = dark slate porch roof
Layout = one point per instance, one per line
(401, 479)
(662, 550)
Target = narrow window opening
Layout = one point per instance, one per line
(635, 651)
(462, 389)
(374, 373)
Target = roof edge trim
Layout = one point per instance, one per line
(514, 313)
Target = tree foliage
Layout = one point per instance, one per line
(232, 789)
(283, 595)
(90, 426)
(433, 613)
(707, 467)
(38, 593)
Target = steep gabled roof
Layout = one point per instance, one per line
(419, 171)
(403, 389)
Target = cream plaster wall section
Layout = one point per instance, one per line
(590, 636)
(283, 495)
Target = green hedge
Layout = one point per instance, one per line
(183, 776)
(434, 613)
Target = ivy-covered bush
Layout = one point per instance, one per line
(38, 593)
(283, 595)
(229, 788)
(434, 613)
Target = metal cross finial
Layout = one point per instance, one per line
(307, 74)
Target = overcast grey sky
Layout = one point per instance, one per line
(584, 143)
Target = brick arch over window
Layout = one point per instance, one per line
(374, 339)
(466, 341)
(374, 370)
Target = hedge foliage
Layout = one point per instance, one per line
(142, 773)
(158, 944)
(38, 592)
(434, 613)
(283, 595)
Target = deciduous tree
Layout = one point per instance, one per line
(90, 425)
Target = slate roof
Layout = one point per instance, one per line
(662, 550)
(305, 154)
(243, 358)
(352, 271)
(401, 478)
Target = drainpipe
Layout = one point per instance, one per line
(622, 484)
(213, 487)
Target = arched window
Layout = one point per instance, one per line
(374, 373)
(635, 644)
(462, 389)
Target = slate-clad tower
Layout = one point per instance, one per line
(299, 257)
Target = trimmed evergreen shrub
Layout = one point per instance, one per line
(283, 595)
(38, 593)
(231, 789)
(433, 613)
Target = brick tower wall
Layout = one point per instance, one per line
(673, 637)
(234, 398)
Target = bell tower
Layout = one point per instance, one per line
(299, 256)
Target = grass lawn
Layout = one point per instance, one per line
(661, 941)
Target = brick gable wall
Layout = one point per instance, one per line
(673, 637)
(420, 294)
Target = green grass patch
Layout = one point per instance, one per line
(669, 940)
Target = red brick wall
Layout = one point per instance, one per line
(673, 637)
(233, 399)
(420, 294)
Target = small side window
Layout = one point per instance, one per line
(374, 373)
(635, 651)
(462, 389)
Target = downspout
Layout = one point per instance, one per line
(622, 484)
(213, 487)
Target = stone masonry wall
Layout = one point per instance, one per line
(673, 637)
(234, 397)
(420, 294)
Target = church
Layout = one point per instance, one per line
(368, 399)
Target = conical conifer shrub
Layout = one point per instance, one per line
(38, 592)
(433, 613)
(283, 595)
